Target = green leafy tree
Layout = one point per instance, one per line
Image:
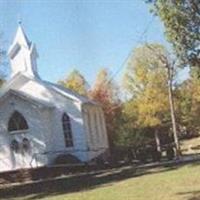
(130, 135)
(181, 19)
(76, 82)
(188, 95)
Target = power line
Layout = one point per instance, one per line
(128, 56)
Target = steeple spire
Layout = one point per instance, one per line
(19, 21)
(23, 54)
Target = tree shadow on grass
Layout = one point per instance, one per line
(191, 195)
(75, 183)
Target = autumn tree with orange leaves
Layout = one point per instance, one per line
(106, 93)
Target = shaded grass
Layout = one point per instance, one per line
(167, 183)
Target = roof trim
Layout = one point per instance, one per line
(67, 93)
(25, 97)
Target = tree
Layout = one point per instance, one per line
(149, 78)
(188, 94)
(106, 93)
(76, 82)
(130, 134)
(3, 61)
(170, 66)
(181, 19)
(170, 71)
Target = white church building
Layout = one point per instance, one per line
(40, 121)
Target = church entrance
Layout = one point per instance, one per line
(21, 151)
(19, 142)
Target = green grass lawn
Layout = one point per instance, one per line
(166, 183)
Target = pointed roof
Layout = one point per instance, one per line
(21, 37)
(22, 46)
(20, 40)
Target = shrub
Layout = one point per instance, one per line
(170, 153)
(156, 155)
(66, 159)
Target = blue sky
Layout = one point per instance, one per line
(82, 34)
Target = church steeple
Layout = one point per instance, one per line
(23, 55)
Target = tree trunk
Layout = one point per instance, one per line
(157, 140)
(172, 111)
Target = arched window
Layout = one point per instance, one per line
(17, 122)
(67, 130)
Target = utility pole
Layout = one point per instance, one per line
(170, 69)
(170, 72)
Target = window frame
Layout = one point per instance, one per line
(67, 131)
(19, 120)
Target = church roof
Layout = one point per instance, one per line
(22, 78)
(25, 97)
(68, 93)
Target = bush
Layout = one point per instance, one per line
(170, 153)
(66, 159)
(156, 155)
(142, 155)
